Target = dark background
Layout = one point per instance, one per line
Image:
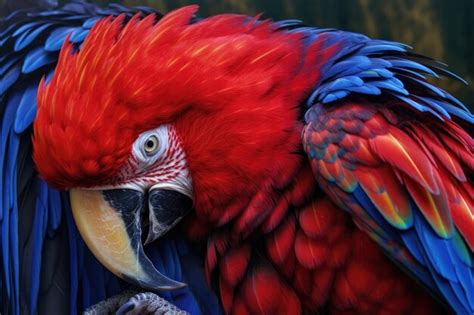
(442, 29)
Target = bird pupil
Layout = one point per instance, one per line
(149, 144)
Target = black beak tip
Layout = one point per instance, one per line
(159, 283)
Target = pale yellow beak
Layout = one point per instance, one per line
(109, 222)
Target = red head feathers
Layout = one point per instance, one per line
(230, 85)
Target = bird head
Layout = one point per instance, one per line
(151, 120)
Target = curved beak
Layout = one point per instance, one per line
(110, 224)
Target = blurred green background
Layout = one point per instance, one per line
(442, 29)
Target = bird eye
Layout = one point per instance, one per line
(151, 145)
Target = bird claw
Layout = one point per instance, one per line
(132, 302)
(149, 303)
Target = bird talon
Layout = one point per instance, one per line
(149, 303)
(132, 302)
(125, 308)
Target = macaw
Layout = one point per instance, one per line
(313, 169)
(45, 266)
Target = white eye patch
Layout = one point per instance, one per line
(151, 144)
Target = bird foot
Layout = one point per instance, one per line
(149, 303)
(133, 302)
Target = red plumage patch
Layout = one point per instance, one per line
(395, 162)
(387, 193)
(266, 293)
(234, 265)
(321, 282)
(316, 219)
(282, 241)
(398, 149)
(276, 215)
(351, 275)
(230, 86)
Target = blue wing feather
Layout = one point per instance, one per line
(54, 208)
(25, 113)
(9, 78)
(11, 178)
(36, 59)
(383, 66)
(78, 35)
(24, 28)
(28, 37)
(6, 230)
(430, 243)
(40, 218)
(90, 22)
(8, 65)
(57, 37)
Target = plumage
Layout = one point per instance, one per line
(421, 177)
(327, 172)
(35, 220)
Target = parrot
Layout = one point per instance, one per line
(312, 170)
(46, 268)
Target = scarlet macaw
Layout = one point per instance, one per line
(266, 137)
(45, 266)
